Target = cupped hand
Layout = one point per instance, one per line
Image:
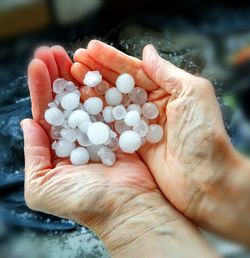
(120, 203)
(192, 161)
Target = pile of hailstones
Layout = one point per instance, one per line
(89, 131)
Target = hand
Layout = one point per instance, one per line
(122, 204)
(194, 164)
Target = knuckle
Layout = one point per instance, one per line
(205, 86)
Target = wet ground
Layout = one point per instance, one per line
(205, 48)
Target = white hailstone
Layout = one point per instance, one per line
(126, 100)
(69, 135)
(67, 113)
(120, 126)
(138, 96)
(149, 110)
(65, 124)
(83, 140)
(70, 101)
(119, 112)
(54, 116)
(92, 78)
(93, 105)
(125, 83)
(70, 86)
(155, 133)
(134, 107)
(113, 144)
(93, 149)
(83, 127)
(107, 114)
(79, 156)
(112, 134)
(77, 117)
(132, 118)
(141, 128)
(55, 132)
(103, 150)
(113, 96)
(102, 87)
(107, 156)
(59, 85)
(98, 133)
(58, 97)
(129, 141)
(53, 104)
(64, 148)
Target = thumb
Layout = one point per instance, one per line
(165, 74)
(36, 148)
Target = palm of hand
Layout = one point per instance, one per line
(86, 193)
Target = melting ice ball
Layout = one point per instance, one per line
(54, 116)
(132, 118)
(79, 156)
(98, 133)
(138, 96)
(113, 97)
(77, 117)
(155, 133)
(63, 148)
(92, 78)
(130, 141)
(125, 83)
(149, 110)
(70, 101)
(119, 112)
(93, 105)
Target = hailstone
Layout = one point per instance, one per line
(98, 133)
(129, 141)
(125, 83)
(132, 118)
(70, 101)
(92, 78)
(77, 117)
(113, 96)
(54, 116)
(79, 156)
(155, 133)
(93, 105)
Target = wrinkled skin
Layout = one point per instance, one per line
(192, 162)
(102, 198)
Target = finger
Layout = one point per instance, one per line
(81, 55)
(39, 87)
(119, 62)
(45, 54)
(36, 148)
(165, 74)
(63, 62)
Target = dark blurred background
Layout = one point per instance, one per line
(207, 38)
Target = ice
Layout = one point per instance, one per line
(112, 134)
(155, 133)
(107, 156)
(119, 112)
(113, 144)
(93, 105)
(53, 104)
(138, 96)
(120, 126)
(77, 117)
(125, 100)
(53, 145)
(83, 140)
(93, 149)
(113, 96)
(55, 132)
(59, 85)
(54, 116)
(83, 127)
(92, 78)
(79, 156)
(134, 107)
(98, 133)
(66, 113)
(70, 86)
(102, 87)
(92, 119)
(149, 110)
(107, 114)
(64, 148)
(129, 141)
(69, 135)
(70, 101)
(141, 128)
(132, 118)
(125, 83)
(99, 118)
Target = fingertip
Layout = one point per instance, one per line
(57, 48)
(79, 52)
(40, 51)
(92, 43)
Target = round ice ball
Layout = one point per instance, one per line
(69, 135)
(79, 156)
(125, 83)
(119, 112)
(155, 133)
(93, 105)
(113, 96)
(107, 114)
(93, 152)
(98, 133)
(141, 128)
(120, 126)
(134, 107)
(77, 117)
(70, 101)
(138, 96)
(92, 78)
(63, 148)
(54, 116)
(150, 110)
(129, 141)
(132, 118)
(59, 85)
